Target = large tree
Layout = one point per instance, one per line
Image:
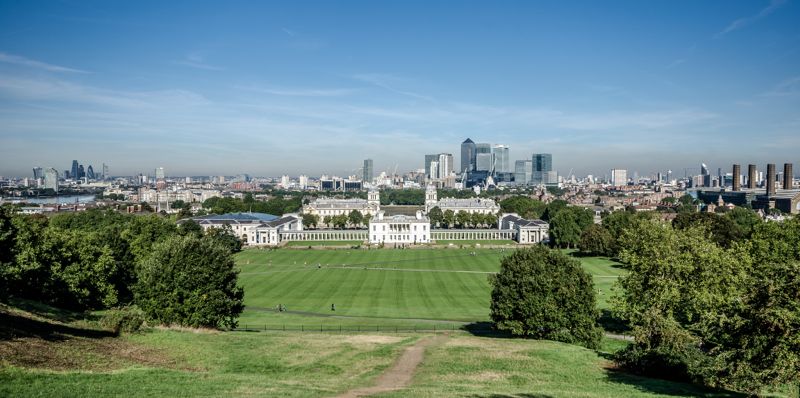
(190, 281)
(524, 206)
(596, 241)
(355, 218)
(545, 294)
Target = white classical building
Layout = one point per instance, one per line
(323, 207)
(399, 229)
(252, 228)
(526, 231)
(469, 205)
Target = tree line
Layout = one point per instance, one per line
(100, 259)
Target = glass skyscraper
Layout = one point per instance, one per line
(468, 152)
(367, 172)
(542, 164)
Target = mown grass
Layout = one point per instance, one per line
(313, 243)
(380, 287)
(504, 242)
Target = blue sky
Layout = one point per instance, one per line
(315, 87)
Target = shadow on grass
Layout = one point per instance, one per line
(666, 387)
(612, 324)
(523, 395)
(13, 326)
(486, 329)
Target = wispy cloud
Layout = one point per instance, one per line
(388, 82)
(675, 63)
(742, 22)
(291, 33)
(787, 87)
(300, 92)
(22, 61)
(198, 62)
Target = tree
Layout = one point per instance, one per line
(327, 220)
(544, 294)
(524, 206)
(553, 208)
(595, 241)
(190, 227)
(564, 229)
(355, 218)
(463, 219)
(367, 217)
(190, 282)
(745, 219)
(225, 237)
(310, 220)
(724, 231)
(436, 215)
(449, 218)
(178, 204)
(339, 221)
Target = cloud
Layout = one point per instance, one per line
(388, 82)
(198, 62)
(288, 32)
(301, 92)
(674, 63)
(742, 22)
(22, 61)
(787, 87)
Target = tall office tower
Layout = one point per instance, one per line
(51, 179)
(501, 162)
(468, 152)
(81, 172)
(737, 172)
(484, 162)
(37, 173)
(788, 176)
(706, 177)
(751, 176)
(67, 175)
(90, 173)
(74, 171)
(433, 170)
(522, 172)
(367, 172)
(303, 182)
(619, 177)
(160, 173)
(541, 163)
(771, 179)
(428, 160)
(445, 165)
(482, 147)
(105, 172)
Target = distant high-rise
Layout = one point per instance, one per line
(106, 176)
(74, 171)
(468, 152)
(433, 170)
(619, 177)
(483, 147)
(90, 173)
(788, 176)
(37, 173)
(751, 176)
(51, 179)
(428, 160)
(367, 172)
(737, 172)
(501, 162)
(160, 175)
(445, 165)
(484, 162)
(523, 170)
(81, 172)
(542, 163)
(771, 177)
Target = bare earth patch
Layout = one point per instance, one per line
(370, 339)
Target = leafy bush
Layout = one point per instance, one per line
(190, 281)
(127, 319)
(545, 294)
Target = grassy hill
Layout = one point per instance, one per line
(47, 352)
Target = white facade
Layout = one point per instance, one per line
(51, 179)
(323, 207)
(469, 205)
(253, 228)
(501, 158)
(399, 229)
(526, 231)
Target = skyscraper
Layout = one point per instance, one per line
(37, 173)
(484, 162)
(90, 173)
(737, 172)
(428, 160)
(619, 177)
(771, 177)
(367, 172)
(106, 176)
(542, 164)
(51, 179)
(160, 173)
(81, 172)
(501, 162)
(445, 165)
(74, 171)
(468, 152)
(522, 172)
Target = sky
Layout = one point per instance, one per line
(272, 88)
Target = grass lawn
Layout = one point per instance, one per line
(379, 287)
(476, 242)
(312, 243)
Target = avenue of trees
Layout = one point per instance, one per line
(461, 219)
(96, 260)
(276, 206)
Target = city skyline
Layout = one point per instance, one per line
(271, 89)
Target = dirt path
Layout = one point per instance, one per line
(400, 374)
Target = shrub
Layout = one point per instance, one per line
(127, 319)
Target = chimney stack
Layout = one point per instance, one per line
(771, 179)
(787, 176)
(751, 176)
(737, 171)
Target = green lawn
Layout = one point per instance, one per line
(390, 287)
(476, 242)
(312, 243)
